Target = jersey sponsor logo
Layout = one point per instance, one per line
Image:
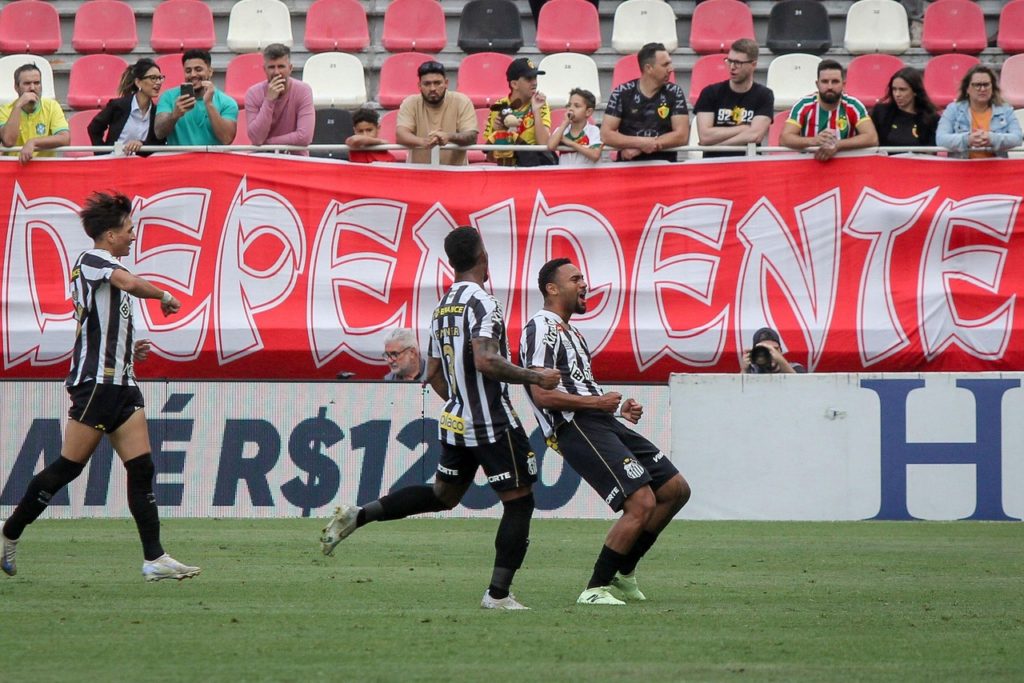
(552, 443)
(611, 496)
(452, 423)
(634, 470)
(447, 333)
(551, 336)
(658, 457)
(531, 463)
(451, 309)
(447, 470)
(504, 476)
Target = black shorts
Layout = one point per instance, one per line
(104, 406)
(613, 459)
(509, 462)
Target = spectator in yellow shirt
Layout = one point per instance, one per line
(32, 121)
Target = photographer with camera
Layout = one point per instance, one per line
(765, 356)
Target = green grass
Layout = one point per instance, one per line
(730, 601)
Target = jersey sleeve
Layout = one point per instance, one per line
(96, 269)
(614, 106)
(679, 108)
(537, 349)
(486, 319)
(593, 136)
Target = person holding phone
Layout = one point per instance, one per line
(280, 110)
(197, 113)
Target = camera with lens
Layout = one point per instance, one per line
(761, 356)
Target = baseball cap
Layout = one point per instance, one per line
(766, 334)
(521, 68)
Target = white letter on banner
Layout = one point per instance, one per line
(42, 337)
(880, 219)
(433, 272)
(692, 274)
(182, 210)
(497, 227)
(807, 273)
(242, 291)
(370, 273)
(982, 266)
(597, 253)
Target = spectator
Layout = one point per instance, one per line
(765, 356)
(737, 111)
(647, 116)
(830, 119)
(178, 118)
(906, 116)
(521, 118)
(280, 110)
(32, 121)
(366, 124)
(435, 118)
(577, 133)
(404, 358)
(129, 120)
(979, 124)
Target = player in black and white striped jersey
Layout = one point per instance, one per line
(579, 420)
(468, 366)
(101, 383)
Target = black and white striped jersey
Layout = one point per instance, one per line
(105, 336)
(550, 342)
(478, 410)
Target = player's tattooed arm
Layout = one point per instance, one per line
(488, 359)
(435, 378)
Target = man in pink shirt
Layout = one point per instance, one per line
(280, 111)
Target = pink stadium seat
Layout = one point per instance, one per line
(104, 26)
(398, 77)
(1011, 28)
(568, 26)
(627, 69)
(171, 67)
(954, 26)
(775, 131)
(387, 131)
(180, 25)
(242, 132)
(414, 25)
(475, 156)
(94, 80)
(482, 77)
(717, 23)
(707, 70)
(942, 76)
(31, 27)
(336, 26)
(1011, 80)
(867, 76)
(243, 72)
(79, 125)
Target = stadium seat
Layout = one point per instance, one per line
(243, 72)
(29, 26)
(333, 127)
(10, 64)
(694, 140)
(79, 125)
(254, 24)
(337, 79)
(180, 25)
(942, 76)
(104, 26)
(638, 22)
(706, 70)
(627, 69)
(242, 130)
(398, 78)
(482, 77)
(1011, 28)
(475, 156)
(717, 23)
(414, 25)
(336, 25)
(792, 77)
(877, 26)
(1011, 80)
(775, 130)
(867, 76)
(954, 26)
(387, 132)
(799, 26)
(563, 72)
(94, 80)
(490, 26)
(1019, 113)
(172, 69)
(568, 26)
(558, 117)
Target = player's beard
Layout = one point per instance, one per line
(830, 97)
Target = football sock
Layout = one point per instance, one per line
(142, 504)
(510, 543)
(639, 549)
(41, 489)
(608, 562)
(412, 500)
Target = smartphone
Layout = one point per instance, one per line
(187, 89)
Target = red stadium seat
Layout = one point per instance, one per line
(717, 23)
(475, 156)
(942, 76)
(627, 69)
(180, 25)
(482, 77)
(867, 76)
(172, 69)
(775, 130)
(242, 132)
(414, 25)
(79, 125)
(1011, 28)
(707, 70)
(1011, 80)
(398, 78)
(568, 26)
(954, 26)
(243, 72)
(94, 80)
(31, 27)
(104, 26)
(336, 26)
(387, 132)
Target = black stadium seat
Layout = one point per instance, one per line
(799, 26)
(490, 26)
(333, 127)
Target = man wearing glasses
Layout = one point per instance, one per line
(403, 357)
(436, 117)
(737, 111)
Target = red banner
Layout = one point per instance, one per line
(293, 268)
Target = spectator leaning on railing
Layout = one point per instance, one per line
(436, 117)
(128, 121)
(279, 111)
(979, 124)
(906, 116)
(32, 121)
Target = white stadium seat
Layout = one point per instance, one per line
(10, 64)
(792, 77)
(638, 22)
(337, 80)
(254, 24)
(564, 71)
(877, 26)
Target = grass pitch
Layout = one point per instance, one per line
(728, 601)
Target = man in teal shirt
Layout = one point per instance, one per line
(209, 117)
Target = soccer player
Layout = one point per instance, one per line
(579, 418)
(101, 384)
(469, 369)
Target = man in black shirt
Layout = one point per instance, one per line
(737, 111)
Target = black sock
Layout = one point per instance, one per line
(41, 489)
(412, 500)
(142, 503)
(639, 549)
(510, 544)
(608, 562)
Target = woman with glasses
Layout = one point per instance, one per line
(979, 124)
(127, 121)
(906, 116)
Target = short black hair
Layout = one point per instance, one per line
(431, 67)
(647, 52)
(586, 95)
(462, 245)
(831, 65)
(22, 69)
(104, 211)
(197, 53)
(547, 273)
(365, 116)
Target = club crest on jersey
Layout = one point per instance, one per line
(634, 470)
(40, 129)
(126, 308)
(663, 111)
(531, 463)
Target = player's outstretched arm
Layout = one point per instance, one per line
(435, 378)
(488, 360)
(144, 289)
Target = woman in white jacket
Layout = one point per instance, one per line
(979, 124)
